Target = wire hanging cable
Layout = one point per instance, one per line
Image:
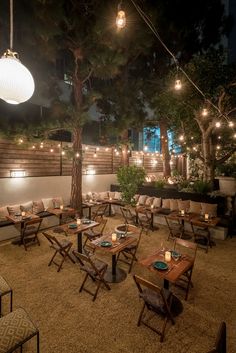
(11, 24)
(148, 21)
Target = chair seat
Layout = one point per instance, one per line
(4, 286)
(130, 247)
(15, 328)
(100, 265)
(92, 234)
(155, 300)
(64, 244)
(30, 231)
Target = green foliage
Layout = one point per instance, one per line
(228, 168)
(160, 183)
(201, 186)
(130, 178)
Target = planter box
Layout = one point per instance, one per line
(227, 185)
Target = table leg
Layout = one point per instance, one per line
(166, 284)
(109, 209)
(79, 242)
(90, 212)
(115, 274)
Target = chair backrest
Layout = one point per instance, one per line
(52, 240)
(142, 283)
(33, 223)
(101, 226)
(126, 213)
(186, 244)
(221, 340)
(100, 211)
(172, 222)
(85, 259)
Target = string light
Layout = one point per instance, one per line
(86, 148)
(204, 112)
(120, 18)
(21, 141)
(51, 150)
(95, 155)
(218, 124)
(181, 138)
(231, 124)
(63, 153)
(77, 155)
(97, 149)
(106, 149)
(33, 147)
(145, 148)
(178, 85)
(218, 147)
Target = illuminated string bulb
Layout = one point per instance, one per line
(181, 138)
(59, 145)
(178, 85)
(63, 153)
(171, 162)
(218, 147)
(115, 150)
(77, 155)
(204, 112)
(231, 124)
(234, 135)
(191, 137)
(128, 151)
(97, 148)
(20, 141)
(117, 153)
(33, 147)
(51, 150)
(145, 148)
(173, 151)
(95, 155)
(41, 145)
(219, 137)
(120, 19)
(218, 124)
(106, 149)
(86, 147)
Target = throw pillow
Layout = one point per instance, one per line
(27, 207)
(47, 203)
(209, 208)
(103, 195)
(174, 204)
(3, 212)
(184, 205)
(142, 199)
(57, 201)
(117, 195)
(166, 203)
(195, 207)
(156, 202)
(149, 201)
(38, 206)
(12, 209)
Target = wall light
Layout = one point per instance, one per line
(18, 173)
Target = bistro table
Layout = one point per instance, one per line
(115, 274)
(78, 230)
(89, 205)
(182, 218)
(198, 220)
(66, 211)
(152, 211)
(175, 268)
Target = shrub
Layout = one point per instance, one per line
(201, 186)
(129, 179)
(159, 184)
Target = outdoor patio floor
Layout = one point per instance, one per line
(69, 322)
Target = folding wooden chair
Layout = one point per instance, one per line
(201, 236)
(129, 217)
(175, 228)
(129, 253)
(145, 221)
(61, 247)
(93, 268)
(156, 300)
(95, 232)
(221, 340)
(100, 212)
(185, 280)
(30, 231)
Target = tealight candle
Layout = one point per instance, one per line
(167, 256)
(110, 198)
(78, 221)
(114, 237)
(206, 216)
(152, 206)
(23, 213)
(182, 212)
(61, 207)
(90, 200)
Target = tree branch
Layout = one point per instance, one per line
(227, 156)
(88, 76)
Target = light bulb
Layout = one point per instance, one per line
(145, 148)
(51, 150)
(218, 124)
(204, 112)
(95, 155)
(77, 154)
(231, 124)
(120, 19)
(181, 138)
(63, 153)
(178, 85)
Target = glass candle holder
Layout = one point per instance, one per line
(113, 237)
(167, 256)
(61, 207)
(23, 213)
(152, 207)
(206, 217)
(78, 221)
(182, 212)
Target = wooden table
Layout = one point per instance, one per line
(61, 212)
(90, 205)
(151, 211)
(198, 220)
(78, 231)
(175, 268)
(187, 217)
(115, 274)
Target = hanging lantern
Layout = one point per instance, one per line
(16, 82)
(120, 19)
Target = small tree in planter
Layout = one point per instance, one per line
(129, 179)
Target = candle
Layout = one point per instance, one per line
(78, 221)
(152, 206)
(137, 204)
(110, 198)
(182, 212)
(61, 207)
(114, 237)
(167, 256)
(23, 213)
(206, 216)
(90, 200)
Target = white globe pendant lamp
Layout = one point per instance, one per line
(16, 82)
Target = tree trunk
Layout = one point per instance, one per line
(76, 182)
(208, 159)
(165, 149)
(125, 156)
